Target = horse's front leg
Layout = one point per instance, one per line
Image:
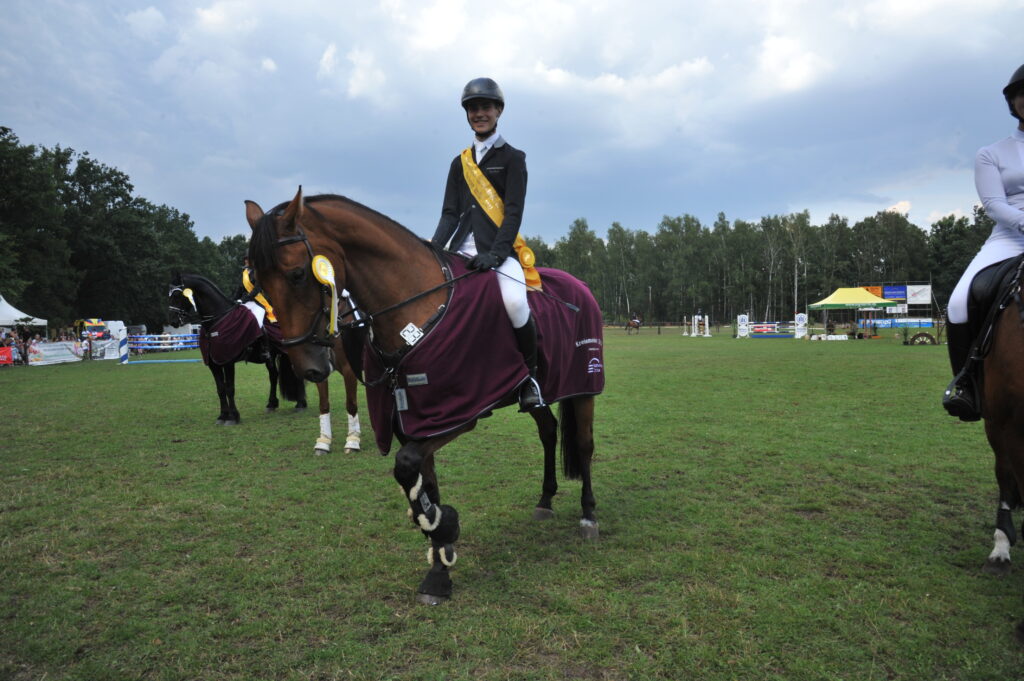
(323, 443)
(273, 374)
(414, 471)
(217, 372)
(547, 429)
(1005, 536)
(352, 438)
(233, 417)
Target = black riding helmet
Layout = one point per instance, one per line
(1012, 88)
(482, 88)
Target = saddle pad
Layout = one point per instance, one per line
(469, 364)
(229, 337)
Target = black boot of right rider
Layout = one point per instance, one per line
(961, 396)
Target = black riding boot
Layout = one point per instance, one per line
(529, 392)
(961, 397)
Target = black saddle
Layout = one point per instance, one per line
(991, 291)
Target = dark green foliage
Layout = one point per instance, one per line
(76, 242)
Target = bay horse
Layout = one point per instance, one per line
(195, 299)
(633, 325)
(307, 250)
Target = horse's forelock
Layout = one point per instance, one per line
(263, 244)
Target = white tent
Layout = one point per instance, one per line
(11, 316)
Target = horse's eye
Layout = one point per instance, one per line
(296, 276)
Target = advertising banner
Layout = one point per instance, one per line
(894, 292)
(919, 294)
(6, 356)
(40, 354)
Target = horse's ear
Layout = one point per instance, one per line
(253, 213)
(176, 278)
(293, 213)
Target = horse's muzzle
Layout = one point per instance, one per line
(315, 376)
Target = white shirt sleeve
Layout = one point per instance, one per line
(992, 191)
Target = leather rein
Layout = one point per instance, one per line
(361, 319)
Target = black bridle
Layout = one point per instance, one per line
(327, 340)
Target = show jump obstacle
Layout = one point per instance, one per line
(794, 329)
(163, 342)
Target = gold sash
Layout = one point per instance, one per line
(482, 190)
(247, 283)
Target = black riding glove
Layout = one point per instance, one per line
(484, 261)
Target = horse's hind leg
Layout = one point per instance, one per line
(1005, 536)
(577, 430)
(547, 429)
(323, 443)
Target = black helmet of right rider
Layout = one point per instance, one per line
(484, 88)
(1015, 85)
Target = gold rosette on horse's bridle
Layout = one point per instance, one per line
(492, 204)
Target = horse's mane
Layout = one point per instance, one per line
(200, 280)
(263, 245)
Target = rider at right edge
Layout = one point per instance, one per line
(999, 178)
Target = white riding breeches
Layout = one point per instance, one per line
(512, 283)
(994, 250)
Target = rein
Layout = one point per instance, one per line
(361, 319)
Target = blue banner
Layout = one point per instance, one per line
(894, 292)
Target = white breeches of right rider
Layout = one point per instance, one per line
(992, 252)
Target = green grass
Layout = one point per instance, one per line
(769, 509)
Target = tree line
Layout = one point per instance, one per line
(75, 241)
(768, 269)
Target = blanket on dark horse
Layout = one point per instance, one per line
(230, 336)
(468, 363)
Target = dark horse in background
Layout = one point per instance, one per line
(399, 283)
(195, 299)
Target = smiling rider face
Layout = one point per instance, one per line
(482, 115)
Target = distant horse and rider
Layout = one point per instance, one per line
(634, 323)
(233, 331)
(433, 345)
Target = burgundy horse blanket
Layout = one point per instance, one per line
(468, 363)
(230, 336)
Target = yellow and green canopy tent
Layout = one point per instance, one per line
(851, 299)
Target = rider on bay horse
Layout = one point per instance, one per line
(999, 179)
(481, 214)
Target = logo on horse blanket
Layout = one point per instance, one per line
(230, 336)
(469, 364)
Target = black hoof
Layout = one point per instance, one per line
(1018, 632)
(998, 568)
(436, 587)
(219, 422)
(430, 599)
(588, 530)
(543, 513)
(270, 410)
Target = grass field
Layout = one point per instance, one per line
(770, 509)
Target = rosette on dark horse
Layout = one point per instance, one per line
(468, 363)
(230, 336)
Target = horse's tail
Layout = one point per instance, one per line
(572, 464)
(293, 388)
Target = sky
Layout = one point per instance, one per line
(627, 111)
